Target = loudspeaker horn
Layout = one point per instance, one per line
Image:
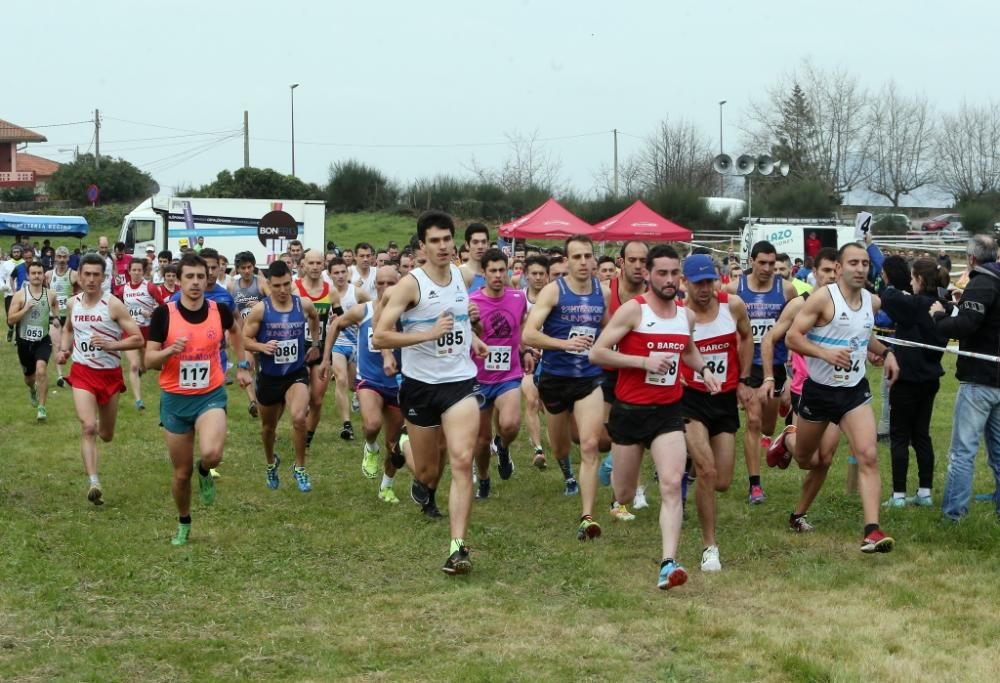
(765, 164)
(722, 164)
(745, 164)
(783, 167)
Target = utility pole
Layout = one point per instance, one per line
(97, 138)
(722, 179)
(246, 139)
(616, 161)
(291, 89)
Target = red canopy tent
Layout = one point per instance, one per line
(639, 222)
(550, 221)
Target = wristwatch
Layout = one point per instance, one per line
(243, 365)
(745, 380)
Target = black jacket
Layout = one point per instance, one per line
(976, 326)
(909, 312)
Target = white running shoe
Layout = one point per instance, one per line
(710, 559)
(640, 498)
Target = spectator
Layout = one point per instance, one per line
(813, 245)
(48, 254)
(944, 260)
(200, 245)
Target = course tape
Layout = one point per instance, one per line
(946, 349)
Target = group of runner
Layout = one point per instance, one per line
(444, 354)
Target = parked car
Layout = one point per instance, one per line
(891, 221)
(954, 228)
(939, 222)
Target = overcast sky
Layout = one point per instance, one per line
(419, 88)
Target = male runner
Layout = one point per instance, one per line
(477, 240)
(653, 335)
(141, 299)
(606, 269)
(103, 250)
(438, 392)
(361, 274)
(63, 281)
(564, 322)
(835, 331)
(378, 387)
(31, 310)
(346, 342)
(501, 313)
(247, 289)
(183, 343)
(276, 331)
(98, 329)
(6, 283)
(295, 251)
(536, 269)
(121, 261)
(723, 337)
(765, 294)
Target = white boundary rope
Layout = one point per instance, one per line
(946, 349)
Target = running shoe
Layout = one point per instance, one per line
(431, 511)
(538, 460)
(42, 415)
(920, 501)
(588, 529)
(639, 502)
(458, 562)
(10, 335)
(302, 479)
(777, 454)
(271, 472)
(139, 405)
(181, 537)
(387, 495)
(710, 561)
(604, 471)
(252, 409)
(216, 474)
(61, 382)
(765, 441)
(483, 491)
(420, 494)
(355, 404)
(800, 525)
(95, 495)
(895, 502)
(877, 542)
(572, 488)
(620, 513)
(33, 397)
(756, 495)
(370, 461)
(206, 486)
(671, 576)
(505, 464)
(347, 433)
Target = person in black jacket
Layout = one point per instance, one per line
(906, 298)
(976, 325)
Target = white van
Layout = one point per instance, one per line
(263, 227)
(788, 235)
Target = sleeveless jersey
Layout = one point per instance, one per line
(349, 335)
(289, 330)
(501, 320)
(370, 358)
(34, 327)
(322, 304)
(367, 283)
(764, 309)
(447, 358)
(246, 297)
(654, 337)
(718, 343)
(849, 329)
(574, 315)
(86, 322)
(62, 285)
(478, 282)
(529, 304)
(140, 302)
(197, 369)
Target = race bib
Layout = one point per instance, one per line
(498, 359)
(717, 363)
(847, 375)
(119, 280)
(136, 313)
(450, 343)
(88, 351)
(668, 378)
(33, 333)
(286, 352)
(246, 312)
(61, 300)
(193, 374)
(371, 337)
(760, 327)
(582, 331)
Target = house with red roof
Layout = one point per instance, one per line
(18, 168)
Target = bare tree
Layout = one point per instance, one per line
(968, 151)
(630, 173)
(528, 166)
(677, 154)
(901, 144)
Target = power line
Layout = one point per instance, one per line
(57, 125)
(156, 125)
(426, 145)
(172, 160)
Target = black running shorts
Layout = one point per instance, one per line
(630, 424)
(820, 403)
(719, 412)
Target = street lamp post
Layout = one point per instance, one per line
(722, 179)
(291, 89)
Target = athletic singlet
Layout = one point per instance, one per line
(86, 322)
(478, 282)
(574, 315)
(447, 358)
(764, 308)
(288, 328)
(501, 320)
(529, 304)
(654, 337)
(197, 369)
(322, 304)
(718, 343)
(369, 358)
(367, 283)
(34, 327)
(62, 285)
(246, 297)
(140, 302)
(349, 335)
(849, 329)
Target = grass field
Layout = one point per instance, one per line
(335, 585)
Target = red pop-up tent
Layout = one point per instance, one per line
(549, 221)
(639, 222)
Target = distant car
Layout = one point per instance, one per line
(939, 223)
(896, 221)
(954, 228)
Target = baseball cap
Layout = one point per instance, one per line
(150, 249)
(698, 267)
